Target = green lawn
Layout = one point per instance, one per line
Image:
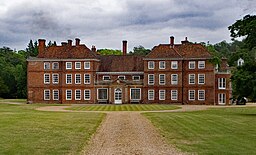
(24, 130)
(14, 100)
(123, 107)
(215, 131)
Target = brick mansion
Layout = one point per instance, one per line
(170, 74)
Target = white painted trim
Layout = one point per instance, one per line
(189, 75)
(76, 65)
(189, 95)
(122, 76)
(160, 64)
(160, 94)
(80, 79)
(49, 78)
(89, 94)
(49, 65)
(76, 94)
(160, 79)
(153, 79)
(85, 65)
(152, 63)
(49, 94)
(47, 59)
(55, 90)
(98, 94)
(67, 95)
(199, 95)
(119, 73)
(89, 79)
(153, 91)
(67, 65)
(106, 76)
(199, 63)
(198, 78)
(135, 76)
(53, 65)
(191, 62)
(174, 99)
(67, 79)
(174, 82)
(174, 62)
(131, 94)
(57, 78)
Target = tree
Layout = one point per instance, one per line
(140, 50)
(32, 49)
(109, 52)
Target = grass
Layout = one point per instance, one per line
(14, 100)
(215, 131)
(24, 130)
(124, 107)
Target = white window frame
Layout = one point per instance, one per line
(149, 81)
(221, 98)
(131, 94)
(222, 83)
(67, 78)
(160, 93)
(86, 82)
(173, 63)
(86, 64)
(53, 94)
(161, 64)
(151, 63)
(199, 77)
(201, 64)
(190, 63)
(106, 79)
(172, 79)
(121, 77)
(200, 92)
(98, 94)
(70, 63)
(161, 81)
(133, 78)
(174, 95)
(67, 94)
(47, 90)
(189, 95)
(54, 82)
(77, 75)
(76, 97)
(85, 97)
(151, 94)
(53, 66)
(47, 74)
(77, 65)
(189, 77)
(47, 64)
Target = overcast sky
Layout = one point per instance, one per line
(105, 23)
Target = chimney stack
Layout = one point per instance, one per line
(185, 41)
(93, 48)
(77, 41)
(172, 41)
(124, 47)
(63, 43)
(69, 42)
(41, 45)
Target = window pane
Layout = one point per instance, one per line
(87, 79)
(151, 94)
(87, 94)
(135, 94)
(102, 94)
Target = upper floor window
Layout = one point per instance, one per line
(47, 65)
(86, 65)
(47, 94)
(68, 65)
(87, 94)
(55, 94)
(151, 65)
(192, 65)
(174, 95)
(78, 94)
(174, 64)
(68, 78)
(121, 77)
(222, 83)
(55, 65)
(174, 79)
(151, 94)
(106, 78)
(87, 79)
(201, 64)
(55, 78)
(136, 78)
(78, 78)
(161, 79)
(161, 64)
(77, 65)
(135, 93)
(161, 94)
(68, 94)
(151, 79)
(191, 95)
(201, 95)
(201, 78)
(191, 78)
(46, 78)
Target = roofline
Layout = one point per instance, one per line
(47, 59)
(176, 58)
(119, 73)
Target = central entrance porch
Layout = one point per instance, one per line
(118, 96)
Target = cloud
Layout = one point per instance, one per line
(105, 23)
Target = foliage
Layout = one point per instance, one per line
(109, 52)
(32, 49)
(139, 50)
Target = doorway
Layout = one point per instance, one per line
(118, 96)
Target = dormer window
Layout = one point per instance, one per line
(151, 65)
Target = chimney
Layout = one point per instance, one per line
(185, 41)
(63, 43)
(69, 42)
(41, 45)
(124, 47)
(77, 41)
(172, 41)
(93, 48)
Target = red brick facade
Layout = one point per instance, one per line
(169, 74)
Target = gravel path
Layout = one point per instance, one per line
(128, 133)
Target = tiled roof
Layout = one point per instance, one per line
(163, 51)
(65, 52)
(120, 63)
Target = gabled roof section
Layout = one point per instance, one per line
(191, 50)
(163, 51)
(120, 63)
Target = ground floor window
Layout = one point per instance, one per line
(68, 94)
(191, 94)
(161, 94)
(174, 94)
(55, 94)
(222, 98)
(151, 94)
(102, 94)
(87, 94)
(78, 94)
(47, 94)
(135, 94)
(201, 95)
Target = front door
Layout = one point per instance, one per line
(118, 96)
